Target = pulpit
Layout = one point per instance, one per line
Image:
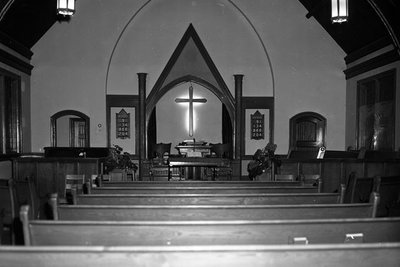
(191, 148)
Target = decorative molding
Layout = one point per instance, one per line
(160, 88)
(371, 64)
(366, 50)
(16, 46)
(15, 62)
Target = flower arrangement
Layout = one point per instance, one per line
(262, 161)
(119, 160)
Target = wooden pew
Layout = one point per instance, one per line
(327, 255)
(25, 193)
(204, 190)
(389, 189)
(339, 154)
(359, 188)
(8, 210)
(194, 183)
(238, 232)
(215, 212)
(1, 225)
(207, 199)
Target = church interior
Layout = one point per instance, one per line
(222, 132)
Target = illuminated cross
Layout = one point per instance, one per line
(190, 100)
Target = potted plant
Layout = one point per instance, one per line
(120, 162)
(262, 162)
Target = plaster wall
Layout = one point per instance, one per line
(106, 43)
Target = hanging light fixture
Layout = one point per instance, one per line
(66, 7)
(340, 11)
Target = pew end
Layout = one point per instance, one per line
(24, 217)
(312, 179)
(374, 199)
(54, 202)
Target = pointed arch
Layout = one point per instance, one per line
(176, 72)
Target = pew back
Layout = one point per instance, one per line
(358, 189)
(219, 232)
(7, 201)
(25, 192)
(388, 187)
(204, 190)
(355, 255)
(194, 183)
(207, 199)
(215, 212)
(8, 210)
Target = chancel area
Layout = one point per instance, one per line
(177, 132)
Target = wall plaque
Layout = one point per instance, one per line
(257, 125)
(123, 124)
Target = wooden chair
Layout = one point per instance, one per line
(159, 164)
(161, 149)
(224, 171)
(73, 182)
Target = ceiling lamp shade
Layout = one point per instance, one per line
(340, 11)
(66, 7)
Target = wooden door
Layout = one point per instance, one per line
(307, 131)
(77, 132)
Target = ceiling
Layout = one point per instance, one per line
(369, 21)
(26, 21)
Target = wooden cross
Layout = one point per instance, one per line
(190, 100)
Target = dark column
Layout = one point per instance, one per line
(238, 118)
(142, 121)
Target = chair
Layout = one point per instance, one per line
(73, 182)
(160, 149)
(312, 179)
(159, 163)
(224, 170)
(221, 150)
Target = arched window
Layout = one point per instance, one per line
(70, 128)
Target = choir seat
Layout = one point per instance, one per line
(224, 171)
(73, 182)
(159, 164)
